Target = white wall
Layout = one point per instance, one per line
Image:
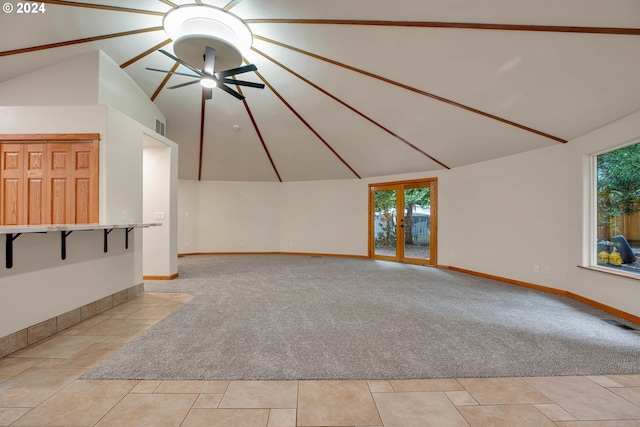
(533, 208)
(72, 82)
(328, 217)
(74, 88)
(499, 217)
(41, 285)
(122, 171)
(81, 119)
(37, 258)
(228, 216)
(508, 215)
(238, 217)
(127, 189)
(324, 217)
(117, 89)
(188, 208)
(615, 291)
(89, 79)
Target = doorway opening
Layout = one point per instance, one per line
(160, 248)
(403, 221)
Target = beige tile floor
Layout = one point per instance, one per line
(39, 386)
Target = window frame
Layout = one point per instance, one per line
(592, 219)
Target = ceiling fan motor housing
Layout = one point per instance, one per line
(194, 27)
(190, 49)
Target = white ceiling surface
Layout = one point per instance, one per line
(562, 84)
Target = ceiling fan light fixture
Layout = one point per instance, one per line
(208, 82)
(205, 20)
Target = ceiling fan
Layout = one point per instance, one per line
(210, 79)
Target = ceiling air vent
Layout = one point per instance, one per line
(160, 127)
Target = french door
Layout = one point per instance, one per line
(403, 221)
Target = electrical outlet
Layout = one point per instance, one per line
(124, 215)
(547, 269)
(186, 244)
(159, 215)
(536, 268)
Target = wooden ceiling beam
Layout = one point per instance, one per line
(78, 41)
(145, 53)
(164, 81)
(203, 107)
(355, 110)
(168, 3)
(455, 25)
(293, 110)
(412, 89)
(257, 129)
(102, 7)
(231, 5)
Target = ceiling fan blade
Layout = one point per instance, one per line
(230, 91)
(209, 60)
(208, 92)
(184, 84)
(234, 71)
(242, 83)
(171, 72)
(175, 58)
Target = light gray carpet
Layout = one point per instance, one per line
(281, 317)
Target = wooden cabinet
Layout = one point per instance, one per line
(48, 182)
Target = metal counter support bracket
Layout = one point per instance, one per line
(63, 243)
(13, 232)
(9, 248)
(106, 233)
(126, 238)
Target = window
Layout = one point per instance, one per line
(617, 220)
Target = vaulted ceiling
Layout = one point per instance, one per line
(363, 88)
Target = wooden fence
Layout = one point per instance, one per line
(627, 225)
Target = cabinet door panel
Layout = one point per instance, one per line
(35, 184)
(82, 201)
(12, 188)
(59, 199)
(85, 178)
(60, 179)
(35, 201)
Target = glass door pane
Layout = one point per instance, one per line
(417, 223)
(403, 221)
(384, 223)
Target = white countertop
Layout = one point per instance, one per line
(45, 228)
